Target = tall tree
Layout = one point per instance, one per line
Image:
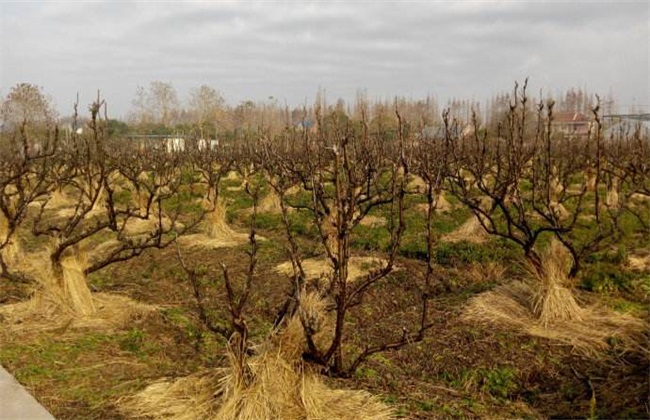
(207, 108)
(27, 104)
(157, 104)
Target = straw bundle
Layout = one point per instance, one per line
(321, 267)
(546, 308)
(274, 384)
(217, 234)
(470, 231)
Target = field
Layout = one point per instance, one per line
(358, 269)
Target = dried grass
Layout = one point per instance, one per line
(373, 221)
(316, 268)
(200, 240)
(612, 198)
(559, 210)
(640, 197)
(76, 293)
(136, 226)
(58, 199)
(510, 306)
(217, 233)
(4, 228)
(68, 211)
(273, 384)
(470, 231)
(293, 190)
(556, 188)
(490, 272)
(269, 204)
(639, 261)
(416, 184)
(64, 289)
(553, 301)
(591, 182)
(216, 223)
(64, 299)
(43, 312)
(546, 308)
(322, 403)
(12, 253)
(442, 205)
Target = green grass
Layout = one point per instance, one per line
(90, 371)
(463, 253)
(607, 277)
(499, 382)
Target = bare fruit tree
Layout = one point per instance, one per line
(344, 172)
(526, 183)
(116, 201)
(28, 146)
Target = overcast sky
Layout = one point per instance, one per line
(289, 50)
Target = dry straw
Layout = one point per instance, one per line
(560, 212)
(556, 187)
(62, 298)
(470, 231)
(416, 184)
(76, 293)
(217, 232)
(232, 176)
(293, 190)
(4, 228)
(543, 306)
(275, 383)
(66, 209)
(270, 203)
(639, 261)
(553, 301)
(136, 226)
(373, 221)
(58, 200)
(591, 181)
(12, 251)
(612, 198)
(315, 268)
(441, 205)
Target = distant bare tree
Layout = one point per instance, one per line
(157, 104)
(206, 105)
(27, 105)
(628, 170)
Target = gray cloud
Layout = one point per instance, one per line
(251, 50)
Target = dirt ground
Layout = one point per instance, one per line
(461, 369)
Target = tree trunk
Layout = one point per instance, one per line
(68, 285)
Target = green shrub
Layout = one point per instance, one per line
(462, 253)
(132, 341)
(500, 382)
(604, 277)
(370, 239)
(268, 221)
(414, 249)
